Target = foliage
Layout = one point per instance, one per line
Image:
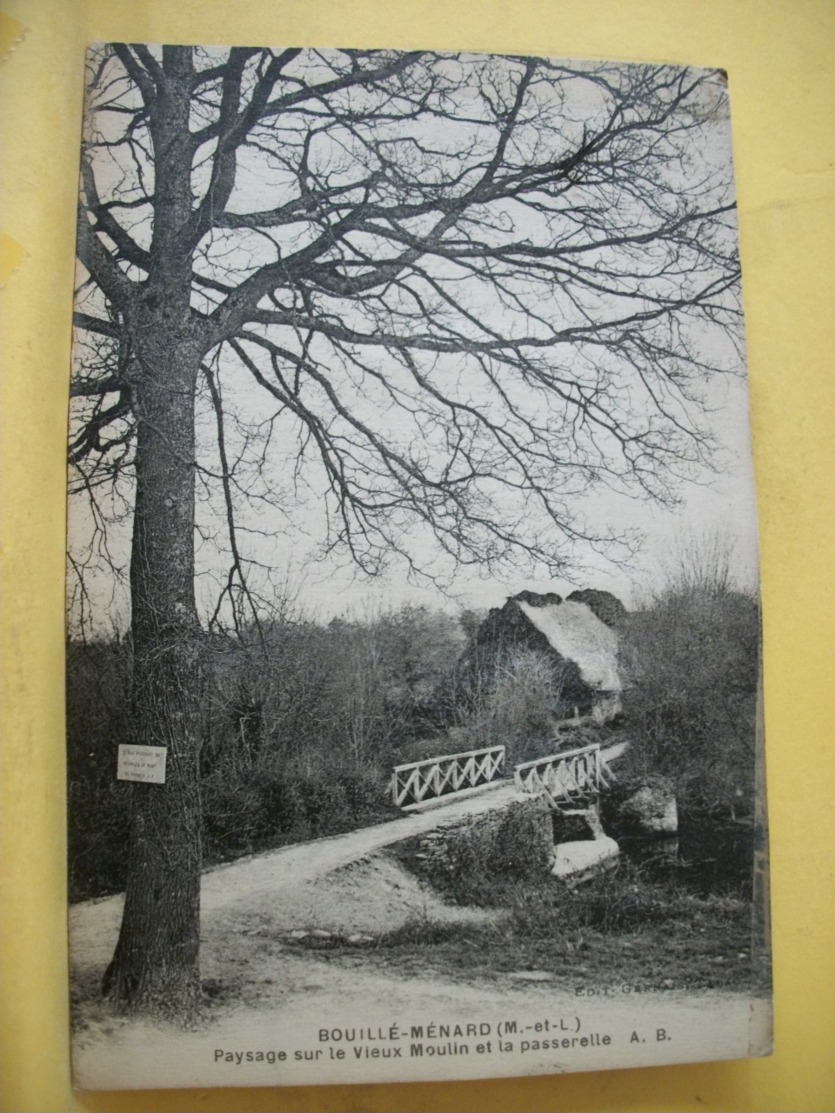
(301, 725)
(657, 924)
(274, 803)
(98, 682)
(489, 854)
(246, 807)
(624, 899)
(357, 690)
(691, 662)
(510, 701)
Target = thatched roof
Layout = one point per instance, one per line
(574, 631)
(569, 636)
(606, 606)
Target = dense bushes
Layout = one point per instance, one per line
(516, 708)
(477, 862)
(98, 686)
(244, 810)
(302, 724)
(301, 727)
(691, 665)
(269, 805)
(508, 701)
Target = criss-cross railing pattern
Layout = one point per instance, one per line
(574, 777)
(421, 781)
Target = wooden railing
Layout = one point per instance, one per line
(569, 778)
(421, 781)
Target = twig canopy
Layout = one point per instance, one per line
(454, 290)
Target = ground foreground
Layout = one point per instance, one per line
(303, 986)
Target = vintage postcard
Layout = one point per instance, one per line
(414, 628)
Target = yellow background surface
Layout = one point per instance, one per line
(780, 56)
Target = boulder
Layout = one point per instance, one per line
(649, 811)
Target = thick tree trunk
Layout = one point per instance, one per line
(156, 964)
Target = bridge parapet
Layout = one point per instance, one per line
(419, 782)
(571, 779)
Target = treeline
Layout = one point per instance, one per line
(691, 668)
(302, 722)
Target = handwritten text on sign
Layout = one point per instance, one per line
(142, 763)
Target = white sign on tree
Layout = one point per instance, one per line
(142, 763)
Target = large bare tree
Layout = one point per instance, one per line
(453, 294)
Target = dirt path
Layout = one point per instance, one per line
(284, 1014)
(277, 876)
(94, 924)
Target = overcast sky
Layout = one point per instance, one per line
(721, 506)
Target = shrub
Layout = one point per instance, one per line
(98, 680)
(273, 803)
(299, 730)
(234, 814)
(691, 659)
(492, 852)
(631, 898)
(97, 841)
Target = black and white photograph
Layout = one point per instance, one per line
(413, 622)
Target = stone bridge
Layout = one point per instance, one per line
(571, 783)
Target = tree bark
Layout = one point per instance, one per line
(156, 963)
